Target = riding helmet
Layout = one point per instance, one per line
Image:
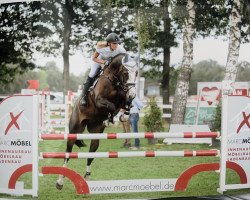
(113, 37)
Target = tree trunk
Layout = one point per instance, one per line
(234, 41)
(166, 59)
(67, 22)
(165, 78)
(181, 92)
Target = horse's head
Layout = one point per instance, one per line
(130, 65)
(125, 71)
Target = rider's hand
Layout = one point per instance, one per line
(106, 63)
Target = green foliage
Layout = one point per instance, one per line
(173, 80)
(153, 117)
(205, 71)
(211, 71)
(66, 20)
(19, 82)
(42, 78)
(144, 28)
(17, 35)
(210, 15)
(48, 76)
(216, 126)
(243, 72)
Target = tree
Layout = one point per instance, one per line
(243, 72)
(205, 71)
(17, 33)
(181, 92)
(211, 19)
(153, 119)
(234, 40)
(68, 22)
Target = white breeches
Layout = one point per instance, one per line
(93, 69)
(95, 66)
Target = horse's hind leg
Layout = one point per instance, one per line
(93, 147)
(93, 128)
(74, 127)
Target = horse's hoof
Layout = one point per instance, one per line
(87, 176)
(58, 186)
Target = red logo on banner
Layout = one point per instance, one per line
(210, 95)
(242, 92)
(245, 121)
(13, 122)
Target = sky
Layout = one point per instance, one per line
(204, 49)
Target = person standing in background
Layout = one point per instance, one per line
(124, 119)
(137, 105)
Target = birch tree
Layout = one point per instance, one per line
(234, 40)
(181, 92)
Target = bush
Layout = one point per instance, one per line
(153, 119)
(217, 119)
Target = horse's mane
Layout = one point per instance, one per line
(117, 60)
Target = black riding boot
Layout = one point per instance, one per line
(85, 89)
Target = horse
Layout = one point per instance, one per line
(114, 90)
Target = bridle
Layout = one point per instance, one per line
(125, 86)
(118, 79)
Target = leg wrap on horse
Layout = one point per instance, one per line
(85, 89)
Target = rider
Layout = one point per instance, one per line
(104, 51)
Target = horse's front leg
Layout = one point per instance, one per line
(105, 104)
(60, 181)
(93, 147)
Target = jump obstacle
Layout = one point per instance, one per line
(19, 150)
(54, 116)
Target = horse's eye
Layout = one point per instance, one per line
(126, 75)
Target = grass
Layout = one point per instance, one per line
(205, 183)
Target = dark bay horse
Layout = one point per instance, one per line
(114, 90)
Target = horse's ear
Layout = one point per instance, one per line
(125, 59)
(129, 62)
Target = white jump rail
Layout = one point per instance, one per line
(186, 153)
(129, 135)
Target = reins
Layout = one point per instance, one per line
(116, 81)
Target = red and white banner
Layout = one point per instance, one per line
(18, 143)
(235, 147)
